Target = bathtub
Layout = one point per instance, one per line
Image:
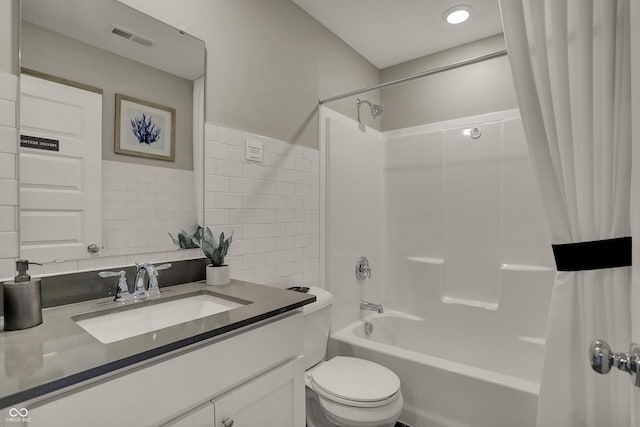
(451, 376)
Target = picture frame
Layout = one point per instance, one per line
(144, 129)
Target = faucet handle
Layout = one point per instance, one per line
(154, 287)
(363, 269)
(122, 292)
(104, 274)
(163, 266)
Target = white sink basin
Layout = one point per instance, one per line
(130, 323)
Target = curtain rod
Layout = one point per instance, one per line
(417, 76)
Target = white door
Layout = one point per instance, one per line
(60, 178)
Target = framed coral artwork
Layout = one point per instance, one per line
(144, 129)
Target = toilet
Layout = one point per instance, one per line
(344, 391)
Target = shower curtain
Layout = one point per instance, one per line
(571, 65)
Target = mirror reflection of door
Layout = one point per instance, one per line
(60, 170)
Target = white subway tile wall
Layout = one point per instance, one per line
(142, 204)
(272, 207)
(9, 247)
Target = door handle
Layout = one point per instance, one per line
(602, 359)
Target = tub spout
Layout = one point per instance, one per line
(364, 305)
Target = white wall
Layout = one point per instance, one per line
(474, 89)
(353, 209)
(268, 63)
(272, 208)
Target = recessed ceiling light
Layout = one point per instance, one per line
(458, 14)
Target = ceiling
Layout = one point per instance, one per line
(91, 23)
(388, 32)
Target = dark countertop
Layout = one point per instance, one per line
(59, 353)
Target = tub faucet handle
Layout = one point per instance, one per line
(363, 269)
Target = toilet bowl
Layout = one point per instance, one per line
(344, 391)
(351, 392)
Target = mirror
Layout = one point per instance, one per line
(111, 103)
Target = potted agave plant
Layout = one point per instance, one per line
(218, 273)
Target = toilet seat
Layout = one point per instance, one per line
(355, 382)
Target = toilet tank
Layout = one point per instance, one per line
(317, 319)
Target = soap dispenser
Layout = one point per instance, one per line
(22, 301)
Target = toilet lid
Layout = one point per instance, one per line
(355, 379)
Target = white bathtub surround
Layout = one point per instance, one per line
(575, 98)
(272, 207)
(470, 200)
(450, 376)
(9, 245)
(458, 237)
(353, 215)
(448, 211)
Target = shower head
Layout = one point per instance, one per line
(376, 110)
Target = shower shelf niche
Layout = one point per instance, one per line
(524, 267)
(493, 306)
(424, 260)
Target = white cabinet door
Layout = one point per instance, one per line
(200, 417)
(275, 399)
(60, 190)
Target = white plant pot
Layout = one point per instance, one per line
(217, 276)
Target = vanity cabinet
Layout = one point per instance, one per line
(250, 377)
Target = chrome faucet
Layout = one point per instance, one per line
(152, 272)
(364, 305)
(139, 289)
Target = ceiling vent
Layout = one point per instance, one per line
(130, 35)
